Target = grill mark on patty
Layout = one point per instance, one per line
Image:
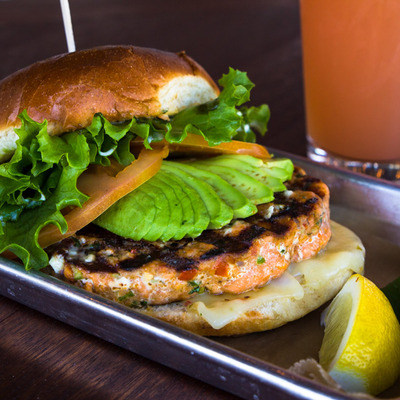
(167, 256)
(228, 244)
(293, 209)
(147, 252)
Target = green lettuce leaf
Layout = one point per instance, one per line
(21, 236)
(222, 119)
(40, 178)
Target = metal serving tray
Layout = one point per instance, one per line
(252, 366)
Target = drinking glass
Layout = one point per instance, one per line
(351, 61)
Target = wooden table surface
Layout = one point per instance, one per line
(42, 358)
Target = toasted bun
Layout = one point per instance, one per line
(118, 81)
(318, 281)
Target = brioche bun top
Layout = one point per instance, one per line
(120, 82)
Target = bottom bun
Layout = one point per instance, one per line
(303, 288)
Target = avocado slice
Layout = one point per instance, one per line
(146, 215)
(163, 210)
(253, 189)
(192, 204)
(284, 163)
(253, 169)
(242, 207)
(132, 216)
(219, 212)
(167, 229)
(281, 168)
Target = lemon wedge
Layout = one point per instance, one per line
(361, 344)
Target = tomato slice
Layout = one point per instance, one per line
(195, 144)
(105, 185)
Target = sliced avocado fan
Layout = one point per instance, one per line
(185, 198)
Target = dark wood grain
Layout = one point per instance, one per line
(41, 358)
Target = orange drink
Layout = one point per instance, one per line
(351, 59)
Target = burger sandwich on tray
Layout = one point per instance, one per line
(127, 171)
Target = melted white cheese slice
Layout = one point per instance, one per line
(218, 311)
(344, 251)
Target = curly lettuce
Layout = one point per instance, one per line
(40, 178)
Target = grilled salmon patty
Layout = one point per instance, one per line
(242, 256)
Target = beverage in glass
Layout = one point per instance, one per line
(351, 60)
